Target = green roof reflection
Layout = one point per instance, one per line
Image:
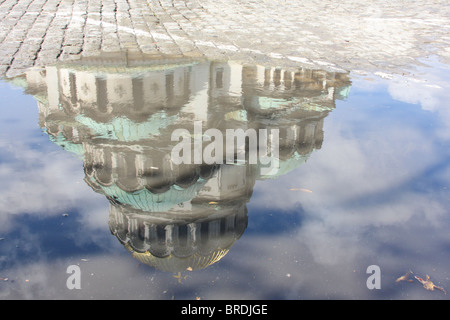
(147, 201)
(124, 129)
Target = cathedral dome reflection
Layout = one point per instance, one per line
(118, 116)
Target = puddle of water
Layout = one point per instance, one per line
(216, 180)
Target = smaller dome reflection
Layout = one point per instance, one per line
(183, 243)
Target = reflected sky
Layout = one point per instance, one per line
(86, 179)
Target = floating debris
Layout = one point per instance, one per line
(4, 279)
(180, 277)
(405, 277)
(65, 214)
(301, 189)
(427, 284)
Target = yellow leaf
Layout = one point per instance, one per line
(301, 189)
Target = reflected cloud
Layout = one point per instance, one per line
(118, 113)
(428, 86)
(432, 95)
(383, 179)
(34, 182)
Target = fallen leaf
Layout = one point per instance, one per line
(405, 277)
(427, 284)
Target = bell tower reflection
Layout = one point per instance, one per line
(118, 117)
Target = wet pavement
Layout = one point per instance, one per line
(383, 37)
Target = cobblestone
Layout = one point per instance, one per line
(368, 36)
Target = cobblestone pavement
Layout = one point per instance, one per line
(363, 35)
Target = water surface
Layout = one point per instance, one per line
(86, 177)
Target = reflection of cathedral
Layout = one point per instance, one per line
(180, 242)
(119, 120)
